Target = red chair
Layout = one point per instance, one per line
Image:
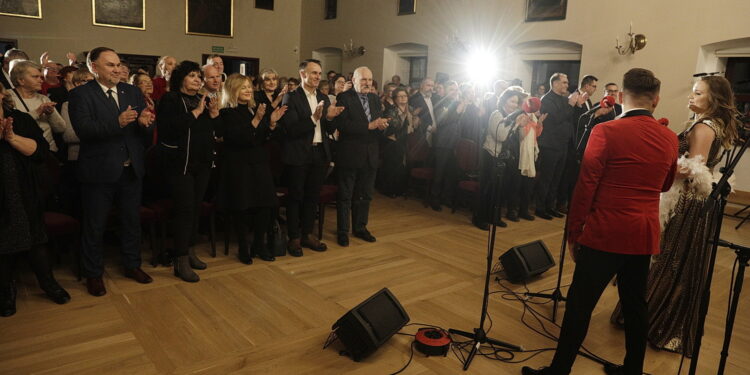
(327, 195)
(467, 160)
(418, 152)
(61, 225)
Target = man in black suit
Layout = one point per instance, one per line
(595, 116)
(360, 129)
(553, 145)
(306, 154)
(113, 123)
(425, 107)
(583, 104)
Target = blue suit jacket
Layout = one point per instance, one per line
(105, 146)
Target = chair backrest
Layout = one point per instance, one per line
(417, 148)
(466, 155)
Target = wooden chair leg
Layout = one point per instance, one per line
(212, 233)
(227, 232)
(152, 239)
(321, 219)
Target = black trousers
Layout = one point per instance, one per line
(549, 173)
(355, 194)
(594, 270)
(517, 188)
(97, 199)
(304, 183)
(39, 261)
(568, 179)
(491, 176)
(187, 193)
(445, 179)
(260, 218)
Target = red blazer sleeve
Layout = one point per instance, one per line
(592, 168)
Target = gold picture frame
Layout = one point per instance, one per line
(214, 15)
(15, 9)
(118, 14)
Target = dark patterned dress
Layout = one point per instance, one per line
(678, 274)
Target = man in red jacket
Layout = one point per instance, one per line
(613, 224)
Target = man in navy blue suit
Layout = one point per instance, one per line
(112, 121)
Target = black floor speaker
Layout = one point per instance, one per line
(527, 260)
(366, 327)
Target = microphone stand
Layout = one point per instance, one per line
(717, 202)
(556, 296)
(479, 336)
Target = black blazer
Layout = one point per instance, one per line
(586, 123)
(299, 129)
(358, 145)
(4, 81)
(105, 146)
(417, 101)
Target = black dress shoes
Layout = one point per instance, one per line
(244, 256)
(95, 286)
(8, 299)
(526, 370)
(365, 235)
(613, 369)
(556, 213)
(512, 216)
(543, 215)
(526, 216)
(481, 225)
(313, 243)
(342, 239)
(436, 207)
(54, 291)
(138, 275)
(294, 248)
(500, 223)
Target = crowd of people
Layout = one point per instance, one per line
(242, 142)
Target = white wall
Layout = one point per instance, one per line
(676, 31)
(271, 36)
(329, 57)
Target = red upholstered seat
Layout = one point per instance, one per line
(161, 208)
(58, 224)
(147, 215)
(207, 208)
(469, 185)
(422, 173)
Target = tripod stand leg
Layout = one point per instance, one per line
(731, 315)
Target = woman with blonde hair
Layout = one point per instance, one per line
(269, 92)
(246, 187)
(678, 274)
(164, 68)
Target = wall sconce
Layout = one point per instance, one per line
(636, 42)
(351, 51)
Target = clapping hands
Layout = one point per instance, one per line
(6, 129)
(147, 116)
(46, 108)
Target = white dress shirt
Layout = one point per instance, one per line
(114, 92)
(312, 99)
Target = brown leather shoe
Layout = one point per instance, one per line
(95, 286)
(138, 275)
(294, 247)
(312, 243)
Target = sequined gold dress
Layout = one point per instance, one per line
(678, 274)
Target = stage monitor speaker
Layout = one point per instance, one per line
(524, 261)
(366, 327)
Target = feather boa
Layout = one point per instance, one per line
(699, 182)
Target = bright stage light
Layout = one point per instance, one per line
(481, 65)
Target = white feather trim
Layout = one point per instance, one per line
(699, 179)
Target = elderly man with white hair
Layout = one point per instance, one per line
(360, 128)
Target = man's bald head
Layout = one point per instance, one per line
(362, 80)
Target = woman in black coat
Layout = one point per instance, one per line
(186, 123)
(246, 187)
(392, 176)
(23, 151)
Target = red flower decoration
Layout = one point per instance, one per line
(663, 121)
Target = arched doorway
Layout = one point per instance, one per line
(407, 60)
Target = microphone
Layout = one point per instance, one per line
(533, 105)
(606, 102)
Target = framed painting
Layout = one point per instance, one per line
(546, 10)
(125, 14)
(407, 7)
(21, 8)
(209, 17)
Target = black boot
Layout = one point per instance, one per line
(244, 256)
(183, 270)
(52, 288)
(8, 299)
(195, 262)
(263, 253)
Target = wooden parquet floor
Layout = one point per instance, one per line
(272, 318)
